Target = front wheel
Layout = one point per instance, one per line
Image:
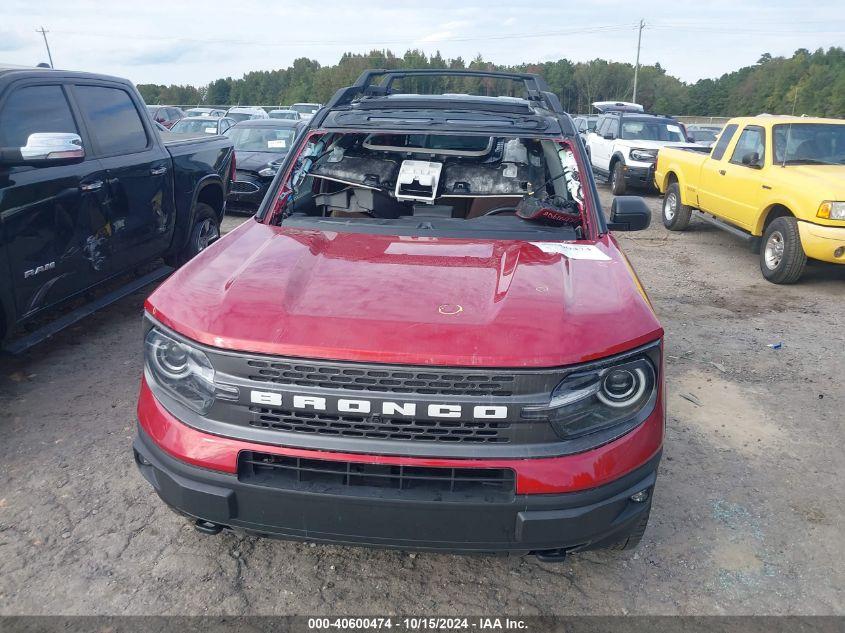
(617, 179)
(782, 257)
(676, 216)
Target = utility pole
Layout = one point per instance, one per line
(44, 34)
(637, 65)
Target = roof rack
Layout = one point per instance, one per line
(536, 88)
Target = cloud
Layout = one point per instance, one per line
(11, 40)
(161, 54)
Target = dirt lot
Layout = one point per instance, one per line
(748, 510)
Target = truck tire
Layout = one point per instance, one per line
(205, 231)
(676, 215)
(617, 179)
(633, 539)
(782, 258)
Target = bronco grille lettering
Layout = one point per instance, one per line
(394, 409)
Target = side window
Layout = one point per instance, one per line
(34, 109)
(750, 142)
(613, 127)
(113, 119)
(600, 126)
(724, 139)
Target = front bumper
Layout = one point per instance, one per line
(641, 177)
(247, 193)
(823, 242)
(579, 520)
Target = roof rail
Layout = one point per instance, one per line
(536, 88)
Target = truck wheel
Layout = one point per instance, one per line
(205, 231)
(782, 257)
(634, 538)
(676, 215)
(617, 179)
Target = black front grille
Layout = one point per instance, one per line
(382, 428)
(241, 186)
(376, 480)
(385, 379)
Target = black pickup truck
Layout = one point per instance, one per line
(89, 192)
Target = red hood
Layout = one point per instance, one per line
(424, 301)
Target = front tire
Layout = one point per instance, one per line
(676, 215)
(782, 258)
(617, 179)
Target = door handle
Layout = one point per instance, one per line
(94, 185)
(158, 171)
(721, 172)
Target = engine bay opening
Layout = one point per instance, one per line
(448, 178)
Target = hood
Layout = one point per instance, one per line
(653, 144)
(254, 161)
(827, 181)
(376, 298)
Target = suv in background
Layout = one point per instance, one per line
(246, 113)
(427, 338)
(623, 147)
(306, 110)
(165, 115)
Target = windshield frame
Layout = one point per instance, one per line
(593, 221)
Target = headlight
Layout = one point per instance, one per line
(599, 398)
(269, 171)
(645, 155)
(180, 369)
(831, 210)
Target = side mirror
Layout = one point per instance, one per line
(608, 136)
(629, 213)
(45, 148)
(751, 159)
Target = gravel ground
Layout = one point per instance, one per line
(748, 510)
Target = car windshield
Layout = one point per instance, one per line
(305, 108)
(292, 115)
(197, 112)
(703, 135)
(195, 126)
(261, 139)
(808, 143)
(239, 116)
(651, 130)
(418, 183)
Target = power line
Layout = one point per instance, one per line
(44, 34)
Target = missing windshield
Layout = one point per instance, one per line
(436, 181)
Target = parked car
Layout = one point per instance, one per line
(202, 125)
(260, 147)
(246, 113)
(87, 193)
(166, 115)
(624, 146)
(778, 182)
(290, 115)
(704, 135)
(427, 338)
(306, 110)
(585, 124)
(218, 112)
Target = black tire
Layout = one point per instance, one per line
(633, 539)
(617, 179)
(675, 214)
(205, 231)
(782, 258)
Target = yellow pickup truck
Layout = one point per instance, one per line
(778, 178)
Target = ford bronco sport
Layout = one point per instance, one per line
(426, 338)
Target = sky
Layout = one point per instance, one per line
(196, 42)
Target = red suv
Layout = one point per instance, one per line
(427, 338)
(165, 115)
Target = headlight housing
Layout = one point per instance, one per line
(601, 396)
(643, 154)
(269, 171)
(182, 370)
(831, 210)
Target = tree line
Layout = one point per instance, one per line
(811, 83)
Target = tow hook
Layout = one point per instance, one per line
(207, 527)
(550, 555)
